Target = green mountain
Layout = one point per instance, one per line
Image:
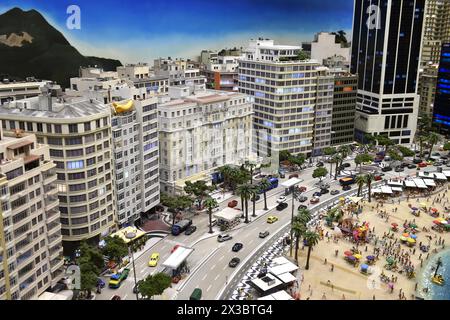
(31, 47)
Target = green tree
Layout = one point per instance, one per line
(344, 151)
(154, 285)
(311, 239)
(285, 155)
(298, 159)
(264, 185)
(304, 216)
(433, 139)
(245, 191)
(406, 152)
(329, 152)
(320, 173)
(340, 37)
(337, 158)
(199, 190)
(115, 249)
(298, 229)
(363, 158)
(91, 263)
(385, 142)
(210, 204)
(226, 171)
(360, 181)
(447, 146)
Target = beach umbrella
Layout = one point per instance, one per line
(370, 258)
(364, 267)
(390, 285)
(434, 209)
(413, 236)
(348, 253)
(423, 204)
(394, 224)
(413, 225)
(406, 234)
(437, 222)
(403, 238)
(357, 256)
(390, 260)
(411, 240)
(351, 258)
(341, 199)
(414, 208)
(444, 222)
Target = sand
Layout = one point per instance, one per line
(346, 281)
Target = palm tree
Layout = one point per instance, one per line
(245, 191)
(360, 181)
(250, 166)
(210, 204)
(298, 229)
(255, 190)
(344, 152)
(304, 216)
(433, 138)
(337, 158)
(226, 173)
(369, 179)
(264, 185)
(312, 239)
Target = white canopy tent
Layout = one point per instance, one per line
(429, 182)
(410, 184)
(395, 183)
(177, 257)
(280, 295)
(286, 277)
(427, 175)
(386, 190)
(377, 190)
(228, 214)
(440, 176)
(446, 173)
(291, 182)
(283, 268)
(420, 184)
(397, 189)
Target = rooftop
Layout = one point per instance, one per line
(78, 108)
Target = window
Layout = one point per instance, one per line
(54, 141)
(56, 153)
(58, 128)
(49, 128)
(76, 176)
(77, 187)
(90, 150)
(74, 153)
(87, 126)
(72, 165)
(74, 141)
(39, 127)
(73, 128)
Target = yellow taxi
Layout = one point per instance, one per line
(272, 219)
(154, 258)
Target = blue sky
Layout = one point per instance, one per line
(141, 30)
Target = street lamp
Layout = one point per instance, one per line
(134, 272)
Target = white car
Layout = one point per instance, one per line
(281, 199)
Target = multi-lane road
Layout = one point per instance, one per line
(209, 261)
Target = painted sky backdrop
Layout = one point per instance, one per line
(141, 30)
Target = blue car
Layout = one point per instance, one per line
(100, 283)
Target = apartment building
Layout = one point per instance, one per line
(10, 91)
(436, 30)
(135, 147)
(140, 76)
(179, 71)
(31, 257)
(427, 89)
(344, 107)
(201, 130)
(441, 110)
(78, 131)
(324, 46)
(222, 73)
(293, 99)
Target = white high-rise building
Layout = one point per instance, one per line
(201, 130)
(324, 47)
(293, 99)
(31, 257)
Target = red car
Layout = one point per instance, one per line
(378, 178)
(314, 200)
(293, 176)
(232, 204)
(423, 165)
(174, 248)
(302, 189)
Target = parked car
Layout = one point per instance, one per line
(303, 198)
(315, 200)
(346, 165)
(334, 192)
(386, 169)
(412, 166)
(224, 237)
(378, 178)
(302, 189)
(190, 230)
(264, 234)
(237, 247)
(282, 175)
(232, 204)
(319, 164)
(423, 165)
(281, 199)
(417, 160)
(346, 188)
(234, 262)
(324, 191)
(317, 194)
(282, 206)
(295, 175)
(174, 248)
(272, 219)
(399, 169)
(116, 297)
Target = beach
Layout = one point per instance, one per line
(332, 277)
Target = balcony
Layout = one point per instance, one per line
(52, 226)
(26, 283)
(55, 238)
(56, 264)
(51, 202)
(50, 189)
(52, 214)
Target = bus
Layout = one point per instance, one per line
(117, 278)
(181, 226)
(347, 181)
(273, 185)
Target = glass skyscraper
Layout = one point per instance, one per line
(441, 111)
(387, 36)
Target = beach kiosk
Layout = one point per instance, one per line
(228, 218)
